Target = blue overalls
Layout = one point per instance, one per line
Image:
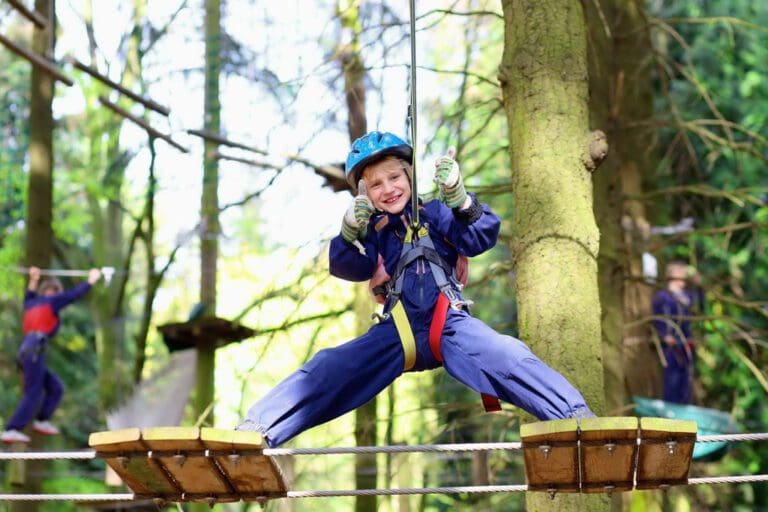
(340, 379)
(42, 389)
(680, 357)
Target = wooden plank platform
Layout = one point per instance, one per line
(191, 464)
(611, 454)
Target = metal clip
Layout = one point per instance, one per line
(545, 449)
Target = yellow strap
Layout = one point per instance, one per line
(409, 234)
(406, 335)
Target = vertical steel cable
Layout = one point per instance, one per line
(412, 116)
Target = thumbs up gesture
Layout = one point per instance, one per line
(358, 215)
(448, 179)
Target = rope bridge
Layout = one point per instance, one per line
(434, 448)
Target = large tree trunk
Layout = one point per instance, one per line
(366, 470)
(555, 243)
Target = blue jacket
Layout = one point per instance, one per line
(676, 312)
(452, 233)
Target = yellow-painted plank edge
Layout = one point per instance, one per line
(114, 436)
(609, 423)
(547, 427)
(231, 436)
(171, 433)
(668, 425)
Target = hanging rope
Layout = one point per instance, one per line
(412, 117)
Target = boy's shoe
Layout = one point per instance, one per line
(45, 428)
(14, 436)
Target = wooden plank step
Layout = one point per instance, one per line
(608, 453)
(191, 464)
(551, 455)
(666, 447)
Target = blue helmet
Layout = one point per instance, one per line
(371, 147)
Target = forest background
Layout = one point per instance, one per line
(678, 88)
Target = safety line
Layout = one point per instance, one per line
(67, 497)
(469, 489)
(455, 447)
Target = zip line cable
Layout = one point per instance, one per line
(106, 272)
(412, 117)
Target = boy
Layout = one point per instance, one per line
(421, 266)
(42, 388)
(672, 309)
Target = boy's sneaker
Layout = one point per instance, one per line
(14, 436)
(45, 428)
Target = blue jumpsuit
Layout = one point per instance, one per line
(340, 379)
(680, 358)
(42, 388)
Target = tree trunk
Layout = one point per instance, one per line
(39, 235)
(555, 239)
(209, 243)
(40, 193)
(366, 470)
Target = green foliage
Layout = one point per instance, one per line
(710, 102)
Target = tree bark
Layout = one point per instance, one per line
(366, 469)
(39, 215)
(555, 238)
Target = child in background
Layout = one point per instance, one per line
(42, 389)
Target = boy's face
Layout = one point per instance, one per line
(388, 185)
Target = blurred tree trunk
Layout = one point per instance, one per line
(545, 86)
(40, 192)
(39, 235)
(351, 62)
(209, 213)
(621, 102)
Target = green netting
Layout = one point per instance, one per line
(708, 422)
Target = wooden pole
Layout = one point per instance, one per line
(33, 16)
(124, 113)
(144, 101)
(36, 60)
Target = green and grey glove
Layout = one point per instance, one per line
(448, 179)
(357, 216)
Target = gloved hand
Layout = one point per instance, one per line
(448, 178)
(357, 215)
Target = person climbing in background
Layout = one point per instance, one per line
(672, 309)
(423, 285)
(42, 389)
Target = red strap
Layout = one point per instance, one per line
(436, 327)
(490, 403)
